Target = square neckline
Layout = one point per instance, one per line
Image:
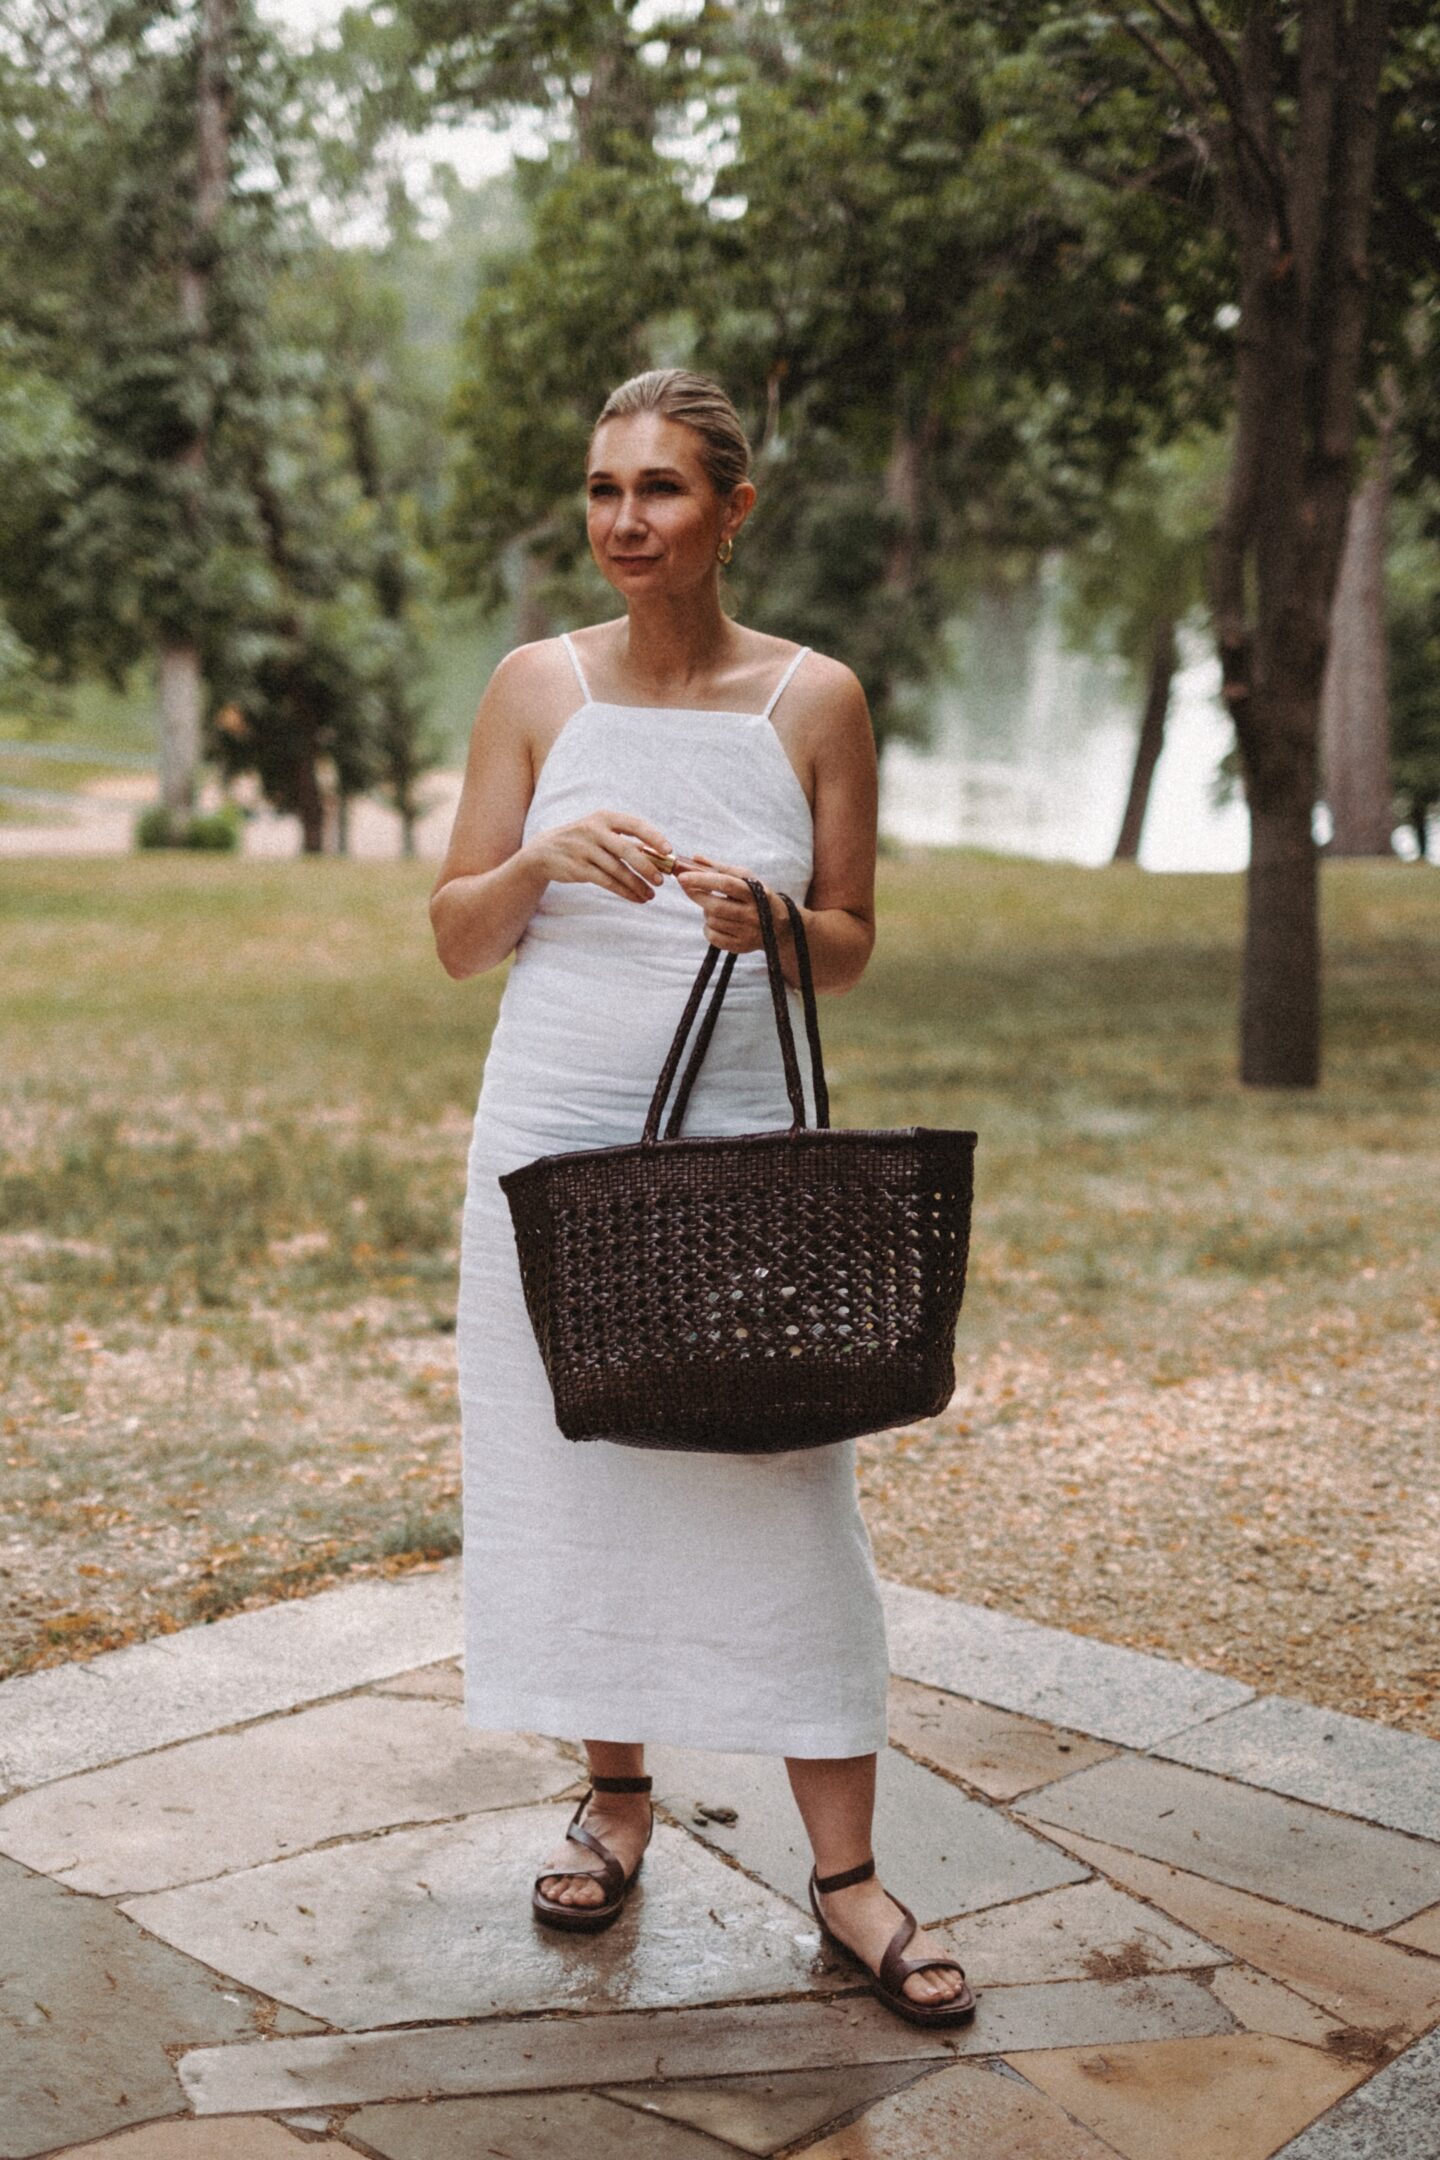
(690, 712)
(702, 712)
(722, 712)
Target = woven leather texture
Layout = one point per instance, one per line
(774, 1291)
(753, 1293)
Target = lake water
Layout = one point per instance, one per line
(1032, 746)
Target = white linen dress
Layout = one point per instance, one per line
(613, 1593)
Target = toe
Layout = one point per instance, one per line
(578, 1890)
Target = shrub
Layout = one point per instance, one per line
(157, 827)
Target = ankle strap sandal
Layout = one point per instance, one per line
(888, 1984)
(588, 1919)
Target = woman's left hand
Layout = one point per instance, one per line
(732, 920)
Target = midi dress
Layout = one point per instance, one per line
(717, 1601)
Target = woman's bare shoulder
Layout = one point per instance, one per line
(528, 670)
(819, 681)
(530, 695)
(828, 677)
(827, 700)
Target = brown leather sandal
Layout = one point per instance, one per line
(586, 1919)
(889, 1983)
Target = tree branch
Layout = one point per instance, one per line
(1196, 156)
(1193, 97)
(1218, 57)
(1229, 84)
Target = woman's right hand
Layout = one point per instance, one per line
(601, 850)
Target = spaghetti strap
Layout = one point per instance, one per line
(775, 693)
(575, 663)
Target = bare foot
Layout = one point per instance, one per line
(622, 1822)
(865, 1918)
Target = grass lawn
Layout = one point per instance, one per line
(1199, 1361)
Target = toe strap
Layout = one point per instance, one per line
(935, 1964)
(896, 1968)
(893, 1967)
(611, 1873)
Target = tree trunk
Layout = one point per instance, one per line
(1151, 740)
(1280, 985)
(532, 617)
(401, 725)
(1355, 703)
(309, 803)
(181, 697)
(180, 703)
(903, 493)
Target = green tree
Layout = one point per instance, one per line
(944, 317)
(302, 649)
(1285, 106)
(614, 253)
(39, 448)
(233, 500)
(132, 262)
(356, 317)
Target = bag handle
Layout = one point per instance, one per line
(783, 1028)
(672, 1056)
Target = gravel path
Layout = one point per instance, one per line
(1281, 1526)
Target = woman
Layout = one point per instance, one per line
(620, 785)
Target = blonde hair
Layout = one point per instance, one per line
(696, 401)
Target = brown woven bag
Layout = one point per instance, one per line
(752, 1292)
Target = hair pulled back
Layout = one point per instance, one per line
(696, 401)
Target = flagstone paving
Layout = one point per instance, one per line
(1262, 2005)
(756, 2114)
(1098, 1688)
(964, 2114)
(211, 1806)
(422, 1924)
(1421, 1933)
(1397, 2113)
(1339, 1762)
(1234, 2098)
(545, 2054)
(941, 1852)
(1368, 1985)
(444, 1680)
(263, 1894)
(1000, 1754)
(238, 2139)
(552, 2126)
(207, 1679)
(1325, 1864)
(1090, 1931)
(87, 2008)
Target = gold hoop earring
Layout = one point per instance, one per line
(726, 549)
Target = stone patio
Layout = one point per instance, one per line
(262, 1894)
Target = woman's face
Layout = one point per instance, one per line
(653, 514)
